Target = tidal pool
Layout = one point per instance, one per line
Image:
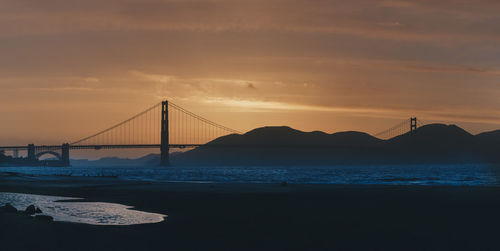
(95, 213)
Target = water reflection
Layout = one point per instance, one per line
(439, 174)
(96, 213)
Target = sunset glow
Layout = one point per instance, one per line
(70, 68)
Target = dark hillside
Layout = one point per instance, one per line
(434, 143)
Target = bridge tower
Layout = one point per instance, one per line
(164, 147)
(413, 124)
(65, 154)
(31, 152)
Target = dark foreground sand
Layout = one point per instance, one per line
(265, 217)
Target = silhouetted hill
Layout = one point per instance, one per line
(489, 144)
(435, 137)
(489, 137)
(286, 136)
(115, 161)
(439, 134)
(435, 143)
(352, 138)
(281, 146)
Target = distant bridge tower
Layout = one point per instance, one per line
(413, 124)
(164, 147)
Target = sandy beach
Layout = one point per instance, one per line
(208, 216)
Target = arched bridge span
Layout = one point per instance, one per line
(55, 154)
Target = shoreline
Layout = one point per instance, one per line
(224, 216)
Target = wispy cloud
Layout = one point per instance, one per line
(452, 115)
(263, 106)
(328, 17)
(193, 86)
(91, 80)
(57, 89)
(154, 77)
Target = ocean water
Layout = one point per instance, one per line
(454, 175)
(95, 213)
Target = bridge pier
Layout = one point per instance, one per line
(164, 147)
(31, 152)
(65, 154)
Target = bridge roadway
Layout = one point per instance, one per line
(96, 147)
(180, 146)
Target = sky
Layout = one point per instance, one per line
(71, 68)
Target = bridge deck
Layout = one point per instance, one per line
(97, 147)
(180, 146)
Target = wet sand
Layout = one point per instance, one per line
(264, 217)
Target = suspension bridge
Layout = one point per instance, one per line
(163, 126)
